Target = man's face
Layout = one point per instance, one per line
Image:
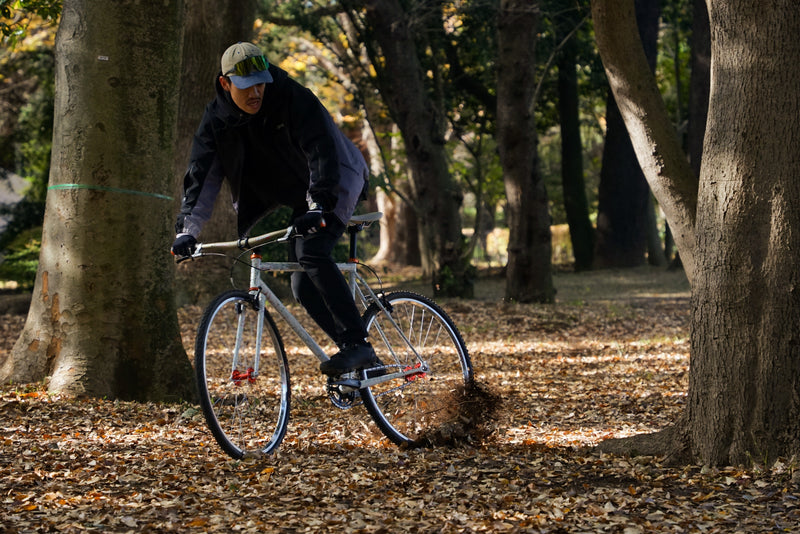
(248, 100)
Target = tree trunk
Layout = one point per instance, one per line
(528, 276)
(698, 84)
(102, 320)
(744, 378)
(436, 195)
(210, 28)
(575, 204)
(399, 237)
(656, 254)
(624, 196)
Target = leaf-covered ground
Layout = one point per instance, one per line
(569, 376)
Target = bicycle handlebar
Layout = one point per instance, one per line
(282, 235)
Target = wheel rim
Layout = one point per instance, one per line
(409, 409)
(246, 410)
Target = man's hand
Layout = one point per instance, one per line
(309, 222)
(184, 245)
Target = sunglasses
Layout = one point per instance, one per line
(250, 65)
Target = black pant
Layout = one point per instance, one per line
(321, 287)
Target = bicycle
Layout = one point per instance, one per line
(242, 372)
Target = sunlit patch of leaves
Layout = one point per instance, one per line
(551, 382)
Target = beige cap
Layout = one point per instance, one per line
(246, 65)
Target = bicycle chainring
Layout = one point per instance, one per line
(342, 396)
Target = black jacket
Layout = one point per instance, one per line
(290, 153)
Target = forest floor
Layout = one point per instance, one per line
(608, 360)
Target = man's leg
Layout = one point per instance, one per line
(323, 291)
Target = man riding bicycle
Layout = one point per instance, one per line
(276, 144)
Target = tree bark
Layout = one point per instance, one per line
(102, 320)
(744, 377)
(210, 28)
(528, 275)
(436, 195)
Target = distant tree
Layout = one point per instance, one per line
(576, 205)
(698, 84)
(102, 320)
(529, 276)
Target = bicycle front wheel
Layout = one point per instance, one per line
(242, 375)
(412, 332)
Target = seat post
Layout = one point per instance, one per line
(353, 230)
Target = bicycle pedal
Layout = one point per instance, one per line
(347, 383)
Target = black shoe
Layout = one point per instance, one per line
(352, 356)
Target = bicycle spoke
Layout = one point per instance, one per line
(244, 398)
(418, 335)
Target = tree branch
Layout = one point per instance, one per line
(654, 140)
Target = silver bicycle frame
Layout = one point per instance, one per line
(357, 286)
(361, 291)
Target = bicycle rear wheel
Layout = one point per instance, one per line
(415, 333)
(245, 402)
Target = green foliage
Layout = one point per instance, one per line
(673, 70)
(22, 216)
(30, 90)
(21, 258)
(34, 132)
(15, 16)
(447, 284)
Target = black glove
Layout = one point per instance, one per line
(309, 222)
(184, 245)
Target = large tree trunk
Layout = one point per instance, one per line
(744, 386)
(528, 276)
(624, 205)
(745, 369)
(436, 195)
(102, 321)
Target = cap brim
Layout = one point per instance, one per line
(243, 82)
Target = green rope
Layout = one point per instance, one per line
(109, 189)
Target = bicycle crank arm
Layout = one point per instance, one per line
(369, 382)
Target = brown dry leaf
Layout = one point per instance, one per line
(555, 380)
